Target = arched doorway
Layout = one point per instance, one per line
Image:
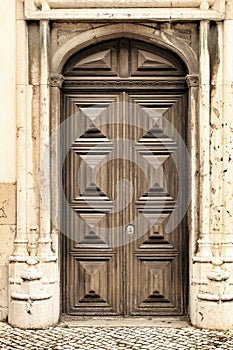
(121, 181)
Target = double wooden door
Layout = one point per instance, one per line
(120, 182)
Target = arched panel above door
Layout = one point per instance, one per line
(124, 58)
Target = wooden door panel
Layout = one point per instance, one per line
(93, 63)
(154, 275)
(93, 276)
(94, 285)
(158, 292)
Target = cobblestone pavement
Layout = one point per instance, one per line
(114, 338)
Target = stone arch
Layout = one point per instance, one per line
(130, 30)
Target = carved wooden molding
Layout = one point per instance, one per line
(103, 84)
(133, 9)
(104, 58)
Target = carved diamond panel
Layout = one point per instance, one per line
(156, 205)
(158, 286)
(157, 142)
(92, 239)
(156, 275)
(92, 147)
(156, 201)
(156, 238)
(148, 62)
(92, 284)
(92, 205)
(92, 274)
(100, 59)
(92, 199)
(102, 62)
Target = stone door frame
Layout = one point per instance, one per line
(39, 270)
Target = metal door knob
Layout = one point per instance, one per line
(130, 229)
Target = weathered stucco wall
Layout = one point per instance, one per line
(7, 232)
(7, 145)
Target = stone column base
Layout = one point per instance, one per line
(211, 314)
(34, 293)
(35, 314)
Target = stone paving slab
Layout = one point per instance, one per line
(114, 338)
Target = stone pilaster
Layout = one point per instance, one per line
(204, 143)
(34, 289)
(211, 286)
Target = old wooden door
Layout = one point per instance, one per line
(121, 182)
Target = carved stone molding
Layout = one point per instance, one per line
(68, 30)
(192, 80)
(218, 274)
(31, 273)
(56, 80)
(70, 4)
(215, 297)
(110, 10)
(30, 297)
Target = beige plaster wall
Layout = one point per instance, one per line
(7, 90)
(7, 143)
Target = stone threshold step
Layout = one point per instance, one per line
(93, 321)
